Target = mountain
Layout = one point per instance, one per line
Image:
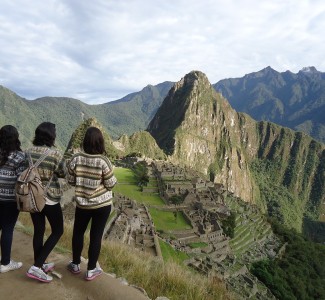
(280, 170)
(14, 110)
(293, 100)
(76, 140)
(139, 142)
(125, 116)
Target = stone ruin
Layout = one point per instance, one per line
(132, 225)
(204, 205)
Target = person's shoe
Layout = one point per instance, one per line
(92, 274)
(13, 265)
(38, 274)
(74, 268)
(48, 267)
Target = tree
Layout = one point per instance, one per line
(176, 200)
(141, 173)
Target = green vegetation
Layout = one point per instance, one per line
(198, 245)
(165, 220)
(299, 273)
(155, 276)
(127, 186)
(140, 144)
(278, 199)
(141, 173)
(229, 224)
(176, 200)
(124, 175)
(78, 136)
(126, 116)
(169, 254)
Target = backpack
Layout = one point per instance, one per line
(30, 192)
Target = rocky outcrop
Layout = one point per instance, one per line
(205, 134)
(198, 128)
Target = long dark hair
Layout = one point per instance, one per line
(93, 142)
(45, 134)
(9, 142)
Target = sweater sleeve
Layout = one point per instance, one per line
(60, 170)
(109, 180)
(22, 164)
(71, 175)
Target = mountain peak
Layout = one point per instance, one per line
(192, 80)
(310, 69)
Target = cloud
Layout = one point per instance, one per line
(102, 50)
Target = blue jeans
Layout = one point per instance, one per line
(8, 217)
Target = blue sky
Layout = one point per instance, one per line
(98, 50)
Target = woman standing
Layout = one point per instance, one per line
(50, 169)
(12, 163)
(92, 174)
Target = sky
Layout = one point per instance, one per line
(101, 50)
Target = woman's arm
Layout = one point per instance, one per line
(71, 175)
(109, 179)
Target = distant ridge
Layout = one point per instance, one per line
(293, 100)
(125, 116)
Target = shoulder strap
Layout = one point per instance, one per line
(39, 161)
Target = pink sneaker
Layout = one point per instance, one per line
(38, 274)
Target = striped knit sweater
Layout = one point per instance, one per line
(8, 175)
(52, 165)
(93, 177)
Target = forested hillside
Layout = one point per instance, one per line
(125, 116)
(280, 170)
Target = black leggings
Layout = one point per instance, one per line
(98, 219)
(8, 217)
(53, 213)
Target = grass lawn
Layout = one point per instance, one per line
(133, 192)
(124, 175)
(165, 220)
(198, 245)
(169, 253)
(127, 186)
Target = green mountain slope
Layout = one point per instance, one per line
(140, 142)
(14, 110)
(293, 100)
(125, 116)
(280, 170)
(77, 137)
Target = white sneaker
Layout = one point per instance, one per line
(13, 265)
(92, 274)
(48, 267)
(38, 274)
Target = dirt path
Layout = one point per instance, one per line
(16, 285)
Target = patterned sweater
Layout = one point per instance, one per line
(52, 165)
(93, 177)
(8, 175)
